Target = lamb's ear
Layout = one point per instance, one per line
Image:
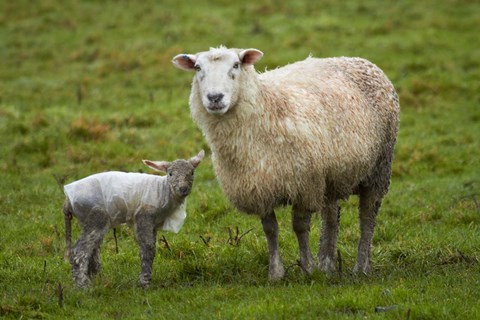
(185, 61)
(195, 161)
(250, 56)
(161, 166)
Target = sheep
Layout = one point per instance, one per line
(307, 134)
(146, 201)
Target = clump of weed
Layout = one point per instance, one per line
(89, 129)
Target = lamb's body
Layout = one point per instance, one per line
(308, 134)
(123, 195)
(148, 202)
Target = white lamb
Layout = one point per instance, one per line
(148, 202)
(307, 134)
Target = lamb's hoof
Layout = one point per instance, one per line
(144, 282)
(82, 284)
(81, 280)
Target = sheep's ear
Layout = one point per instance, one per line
(195, 161)
(250, 56)
(161, 166)
(185, 61)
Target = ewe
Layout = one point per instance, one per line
(148, 202)
(307, 134)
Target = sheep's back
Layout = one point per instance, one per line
(338, 114)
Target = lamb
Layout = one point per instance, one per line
(307, 134)
(105, 200)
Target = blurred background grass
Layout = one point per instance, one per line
(87, 86)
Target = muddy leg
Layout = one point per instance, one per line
(275, 266)
(146, 237)
(94, 229)
(94, 265)
(328, 238)
(369, 205)
(301, 226)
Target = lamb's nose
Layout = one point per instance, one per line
(215, 98)
(184, 190)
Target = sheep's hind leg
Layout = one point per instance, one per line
(369, 205)
(301, 226)
(328, 239)
(270, 227)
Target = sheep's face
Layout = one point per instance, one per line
(217, 75)
(180, 173)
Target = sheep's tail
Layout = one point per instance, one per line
(67, 215)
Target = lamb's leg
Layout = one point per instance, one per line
(94, 264)
(270, 227)
(328, 238)
(369, 205)
(68, 215)
(94, 229)
(301, 226)
(146, 237)
(79, 261)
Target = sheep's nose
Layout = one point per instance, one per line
(215, 98)
(184, 190)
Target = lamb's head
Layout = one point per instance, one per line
(217, 74)
(180, 173)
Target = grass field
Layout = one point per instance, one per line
(87, 86)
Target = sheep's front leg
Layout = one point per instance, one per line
(146, 237)
(301, 226)
(328, 238)
(270, 227)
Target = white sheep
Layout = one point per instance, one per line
(307, 134)
(148, 202)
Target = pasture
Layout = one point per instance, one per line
(88, 86)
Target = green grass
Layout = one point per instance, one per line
(88, 86)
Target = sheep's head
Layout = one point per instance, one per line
(217, 74)
(180, 173)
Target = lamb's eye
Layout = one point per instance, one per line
(197, 67)
(170, 174)
(236, 65)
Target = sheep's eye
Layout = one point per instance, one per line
(197, 67)
(170, 174)
(236, 65)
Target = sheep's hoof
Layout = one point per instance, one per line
(361, 270)
(275, 277)
(276, 274)
(307, 267)
(326, 265)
